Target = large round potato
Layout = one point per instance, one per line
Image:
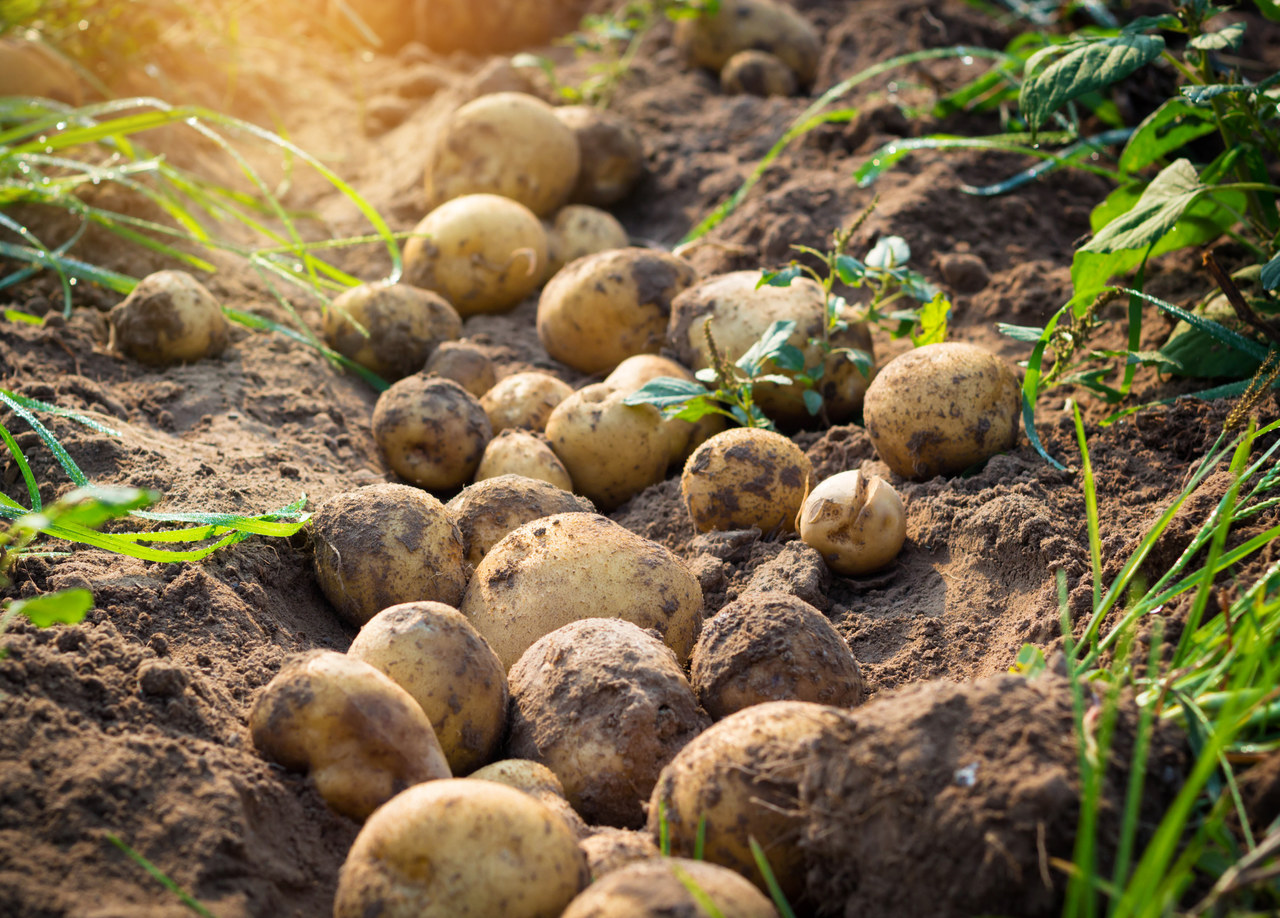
(660, 888)
(541, 783)
(523, 453)
(391, 329)
(942, 408)
(432, 431)
(572, 566)
(578, 231)
(524, 400)
(683, 437)
(746, 477)
(483, 253)
(758, 73)
(604, 308)
(451, 849)
(509, 144)
(742, 25)
(487, 510)
(170, 317)
(856, 521)
(386, 544)
(612, 158)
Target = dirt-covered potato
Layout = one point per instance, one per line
(612, 450)
(746, 477)
(844, 379)
(604, 308)
(168, 318)
(541, 783)
(758, 73)
(941, 408)
(741, 25)
(491, 27)
(461, 848)
(508, 144)
(605, 705)
(466, 364)
(481, 252)
(771, 646)
(524, 400)
(856, 521)
(523, 453)
(386, 544)
(579, 230)
(683, 437)
(572, 566)
(431, 431)
(360, 736)
(390, 329)
(487, 510)
(609, 849)
(660, 889)
(432, 652)
(612, 157)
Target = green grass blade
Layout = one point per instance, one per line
(159, 876)
(1091, 506)
(249, 320)
(64, 459)
(770, 880)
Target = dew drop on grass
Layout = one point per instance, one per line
(967, 60)
(60, 126)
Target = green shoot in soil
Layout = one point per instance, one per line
(160, 877)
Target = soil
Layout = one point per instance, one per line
(132, 725)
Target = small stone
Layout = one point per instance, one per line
(161, 680)
(964, 272)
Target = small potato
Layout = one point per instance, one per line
(604, 705)
(659, 888)
(856, 522)
(461, 848)
(432, 652)
(604, 308)
(609, 849)
(431, 430)
(612, 450)
(746, 477)
(390, 329)
(487, 510)
(168, 318)
(758, 73)
(508, 144)
(683, 437)
(541, 783)
(741, 25)
(572, 566)
(941, 408)
(524, 400)
(481, 252)
(612, 157)
(523, 453)
(386, 544)
(464, 363)
(771, 646)
(844, 381)
(578, 231)
(361, 737)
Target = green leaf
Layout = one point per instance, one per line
(1270, 277)
(781, 278)
(788, 357)
(664, 391)
(1203, 95)
(1027, 333)
(812, 401)
(1201, 356)
(93, 506)
(1171, 126)
(67, 607)
(1029, 662)
(933, 321)
(1227, 39)
(1084, 69)
(774, 338)
(1232, 339)
(850, 270)
(1154, 214)
(1268, 8)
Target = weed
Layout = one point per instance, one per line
(160, 877)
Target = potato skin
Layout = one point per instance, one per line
(855, 521)
(941, 408)
(170, 317)
(740, 25)
(362, 737)
(487, 510)
(683, 437)
(523, 453)
(541, 783)
(656, 889)
(494, 26)
(451, 849)
(524, 400)
(578, 231)
(431, 431)
(464, 363)
(746, 477)
(609, 849)
(612, 157)
(405, 324)
(758, 73)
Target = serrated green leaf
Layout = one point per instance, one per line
(1227, 39)
(665, 390)
(67, 607)
(1170, 127)
(1083, 69)
(1154, 214)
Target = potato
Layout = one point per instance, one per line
(758, 73)
(390, 329)
(168, 318)
(771, 646)
(494, 26)
(612, 450)
(604, 308)
(431, 431)
(541, 783)
(659, 888)
(360, 736)
(612, 157)
(464, 363)
(683, 437)
(609, 849)
(432, 652)
(386, 544)
(844, 382)
(523, 453)
(524, 400)
(578, 231)
(508, 144)
(746, 477)
(481, 252)
(572, 566)
(458, 848)
(741, 25)
(855, 521)
(487, 510)
(941, 408)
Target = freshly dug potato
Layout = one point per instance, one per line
(772, 646)
(746, 477)
(487, 510)
(509, 144)
(758, 73)
(604, 705)
(431, 430)
(491, 27)
(390, 329)
(168, 318)
(609, 849)
(541, 783)
(683, 437)
(941, 408)
(612, 157)
(523, 453)
(856, 521)
(578, 231)
(464, 363)
(360, 736)
(386, 544)
(612, 450)
(572, 566)
(659, 888)
(524, 400)
(844, 383)
(432, 652)
(481, 252)
(741, 25)
(604, 308)
(461, 848)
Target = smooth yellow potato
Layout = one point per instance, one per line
(683, 437)
(170, 317)
(431, 431)
(541, 783)
(741, 25)
(391, 329)
(659, 888)
(855, 521)
(746, 477)
(578, 231)
(612, 157)
(487, 510)
(758, 73)
(524, 400)
(523, 453)
(466, 364)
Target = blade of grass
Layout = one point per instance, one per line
(159, 876)
(1091, 506)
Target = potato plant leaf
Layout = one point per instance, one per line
(1083, 69)
(1203, 95)
(1227, 39)
(773, 346)
(933, 321)
(1154, 214)
(781, 278)
(68, 607)
(1170, 127)
(664, 391)
(1028, 333)
(1270, 277)
(812, 401)
(1268, 8)
(850, 270)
